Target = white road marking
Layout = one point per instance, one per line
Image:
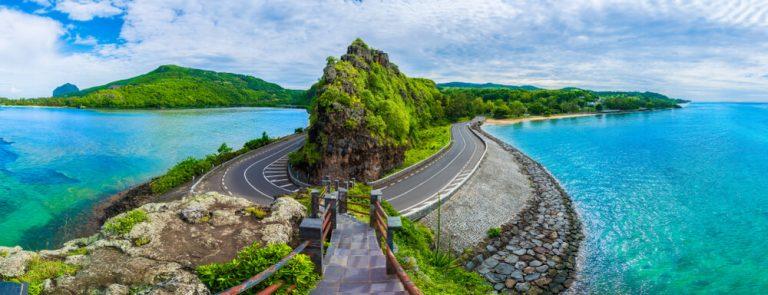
(464, 146)
(245, 172)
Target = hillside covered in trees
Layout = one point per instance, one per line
(364, 115)
(171, 86)
(506, 102)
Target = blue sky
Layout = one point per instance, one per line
(701, 50)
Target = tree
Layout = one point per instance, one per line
(224, 148)
(517, 108)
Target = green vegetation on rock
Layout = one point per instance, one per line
(122, 225)
(365, 108)
(171, 86)
(39, 270)
(65, 90)
(254, 259)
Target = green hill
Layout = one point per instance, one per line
(484, 85)
(171, 86)
(365, 114)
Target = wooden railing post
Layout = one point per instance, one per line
(311, 229)
(347, 185)
(331, 206)
(314, 203)
(393, 223)
(342, 200)
(375, 199)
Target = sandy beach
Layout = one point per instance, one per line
(490, 121)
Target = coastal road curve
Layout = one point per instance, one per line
(259, 175)
(423, 188)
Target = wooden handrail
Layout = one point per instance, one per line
(255, 280)
(380, 225)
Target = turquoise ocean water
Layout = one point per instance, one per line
(673, 202)
(56, 163)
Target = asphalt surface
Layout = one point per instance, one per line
(259, 176)
(446, 173)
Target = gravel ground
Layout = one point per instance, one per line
(498, 189)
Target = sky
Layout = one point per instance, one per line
(714, 50)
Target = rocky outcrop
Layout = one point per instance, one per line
(65, 89)
(158, 255)
(363, 113)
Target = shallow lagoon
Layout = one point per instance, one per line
(55, 163)
(673, 202)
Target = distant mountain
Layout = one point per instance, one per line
(484, 85)
(171, 86)
(65, 89)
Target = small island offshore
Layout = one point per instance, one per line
(478, 215)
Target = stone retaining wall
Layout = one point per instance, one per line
(537, 251)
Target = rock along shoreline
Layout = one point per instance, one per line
(537, 252)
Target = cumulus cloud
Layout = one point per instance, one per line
(690, 49)
(85, 10)
(32, 61)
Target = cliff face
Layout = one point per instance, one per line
(363, 115)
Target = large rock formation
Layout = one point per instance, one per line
(158, 255)
(65, 89)
(363, 115)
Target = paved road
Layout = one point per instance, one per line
(259, 176)
(422, 188)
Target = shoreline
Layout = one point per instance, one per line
(533, 235)
(539, 118)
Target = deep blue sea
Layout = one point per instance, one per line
(55, 163)
(673, 202)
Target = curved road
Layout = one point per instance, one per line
(259, 175)
(424, 187)
(262, 175)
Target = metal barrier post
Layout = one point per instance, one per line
(311, 229)
(336, 185)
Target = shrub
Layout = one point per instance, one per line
(494, 232)
(40, 270)
(256, 212)
(254, 259)
(224, 148)
(141, 241)
(298, 130)
(123, 225)
(3, 253)
(258, 142)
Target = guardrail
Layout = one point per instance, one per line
(408, 170)
(296, 178)
(384, 227)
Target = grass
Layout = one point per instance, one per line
(4, 253)
(40, 270)
(78, 251)
(437, 272)
(124, 224)
(141, 241)
(256, 212)
(426, 143)
(494, 232)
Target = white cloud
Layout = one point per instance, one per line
(88, 40)
(691, 49)
(85, 10)
(32, 63)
